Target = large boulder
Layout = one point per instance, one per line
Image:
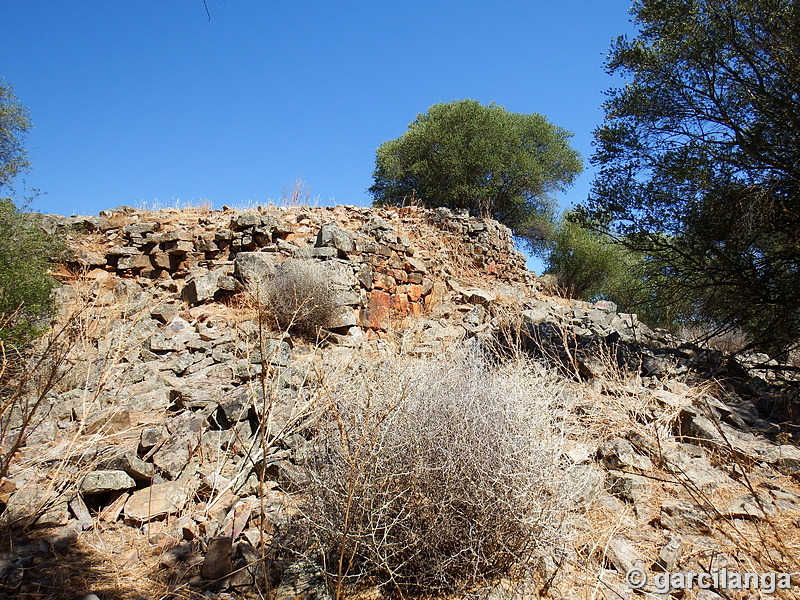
(206, 287)
(254, 266)
(332, 236)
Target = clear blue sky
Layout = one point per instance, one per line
(144, 101)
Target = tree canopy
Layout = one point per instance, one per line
(465, 155)
(14, 124)
(699, 158)
(25, 250)
(590, 265)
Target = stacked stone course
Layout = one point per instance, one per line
(390, 276)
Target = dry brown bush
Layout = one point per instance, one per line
(27, 378)
(728, 341)
(299, 298)
(438, 475)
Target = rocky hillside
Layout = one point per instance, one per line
(166, 439)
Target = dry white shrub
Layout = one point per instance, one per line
(439, 474)
(300, 297)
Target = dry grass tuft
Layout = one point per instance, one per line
(300, 298)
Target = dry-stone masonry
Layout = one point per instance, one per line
(167, 427)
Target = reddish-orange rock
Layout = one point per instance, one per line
(376, 314)
(414, 292)
(400, 303)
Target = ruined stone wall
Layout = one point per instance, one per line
(387, 262)
(179, 436)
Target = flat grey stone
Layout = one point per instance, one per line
(669, 555)
(36, 505)
(479, 297)
(630, 488)
(750, 507)
(174, 455)
(315, 253)
(254, 266)
(622, 554)
(165, 312)
(335, 237)
(202, 289)
(99, 482)
(156, 501)
(127, 461)
(619, 453)
(682, 517)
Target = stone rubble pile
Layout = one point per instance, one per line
(190, 420)
(388, 275)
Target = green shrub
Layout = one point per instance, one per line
(593, 266)
(589, 265)
(25, 279)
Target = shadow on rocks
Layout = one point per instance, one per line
(53, 564)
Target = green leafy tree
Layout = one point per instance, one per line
(25, 280)
(592, 265)
(14, 125)
(464, 155)
(699, 158)
(25, 250)
(588, 264)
